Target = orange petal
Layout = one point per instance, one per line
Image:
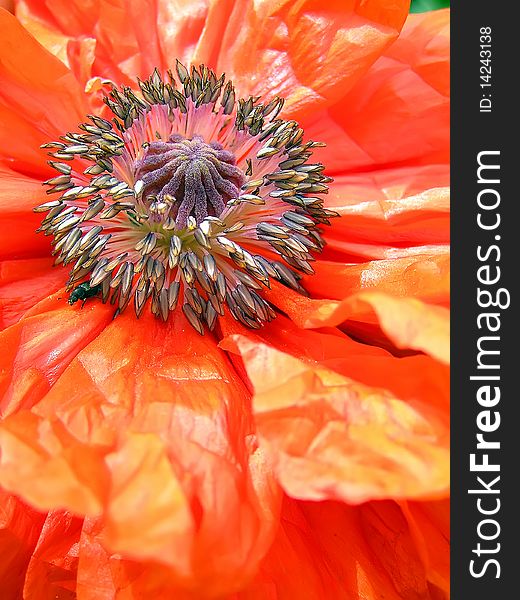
(63, 471)
(145, 486)
(185, 25)
(398, 112)
(390, 538)
(429, 523)
(407, 322)
(52, 570)
(385, 223)
(329, 550)
(376, 193)
(317, 53)
(23, 283)
(310, 53)
(18, 196)
(117, 40)
(103, 575)
(166, 435)
(321, 550)
(39, 98)
(419, 380)
(36, 18)
(20, 528)
(332, 437)
(77, 53)
(37, 349)
(391, 220)
(424, 276)
(127, 45)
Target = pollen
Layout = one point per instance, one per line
(186, 198)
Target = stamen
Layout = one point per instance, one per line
(183, 199)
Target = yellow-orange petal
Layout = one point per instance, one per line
(420, 380)
(398, 113)
(42, 463)
(409, 323)
(29, 15)
(39, 98)
(104, 575)
(145, 486)
(164, 426)
(332, 437)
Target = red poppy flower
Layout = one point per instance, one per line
(299, 447)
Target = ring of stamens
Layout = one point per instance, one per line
(183, 199)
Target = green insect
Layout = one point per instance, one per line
(82, 292)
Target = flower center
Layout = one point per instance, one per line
(188, 177)
(186, 198)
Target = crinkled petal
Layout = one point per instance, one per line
(23, 283)
(20, 528)
(116, 39)
(425, 276)
(19, 194)
(321, 550)
(149, 429)
(330, 436)
(398, 112)
(378, 221)
(418, 379)
(429, 523)
(409, 323)
(37, 349)
(391, 539)
(40, 99)
(310, 53)
(332, 550)
(53, 567)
